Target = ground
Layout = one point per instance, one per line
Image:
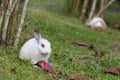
(48, 16)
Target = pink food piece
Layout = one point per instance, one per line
(45, 66)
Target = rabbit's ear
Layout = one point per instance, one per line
(37, 35)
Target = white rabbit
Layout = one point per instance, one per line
(36, 49)
(96, 23)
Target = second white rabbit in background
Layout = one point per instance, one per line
(97, 23)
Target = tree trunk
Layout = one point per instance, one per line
(21, 24)
(92, 10)
(14, 24)
(12, 13)
(3, 6)
(77, 6)
(102, 2)
(109, 3)
(84, 9)
(7, 16)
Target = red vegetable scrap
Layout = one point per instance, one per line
(45, 66)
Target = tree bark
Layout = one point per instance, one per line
(21, 24)
(84, 9)
(4, 5)
(109, 3)
(77, 6)
(92, 9)
(7, 16)
(14, 24)
(102, 4)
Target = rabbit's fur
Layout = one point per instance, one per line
(97, 23)
(36, 49)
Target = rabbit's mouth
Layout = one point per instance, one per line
(45, 54)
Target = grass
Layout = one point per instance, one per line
(48, 17)
(114, 18)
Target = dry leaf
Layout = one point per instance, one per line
(70, 60)
(98, 54)
(90, 46)
(13, 70)
(78, 76)
(79, 43)
(57, 75)
(113, 70)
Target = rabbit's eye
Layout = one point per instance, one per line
(43, 45)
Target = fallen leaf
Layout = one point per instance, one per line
(90, 46)
(78, 76)
(70, 60)
(57, 75)
(80, 43)
(113, 70)
(13, 69)
(65, 75)
(98, 54)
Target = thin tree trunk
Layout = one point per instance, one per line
(77, 6)
(92, 9)
(109, 3)
(4, 5)
(13, 5)
(15, 15)
(84, 9)
(12, 29)
(0, 2)
(106, 1)
(7, 16)
(1, 14)
(21, 24)
(73, 6)
(102, 4)
(9, 30)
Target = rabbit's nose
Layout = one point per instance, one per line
(46, 53)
